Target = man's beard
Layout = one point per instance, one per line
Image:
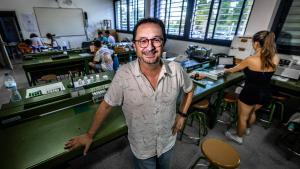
(145, 60)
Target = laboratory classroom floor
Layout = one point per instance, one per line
(259, 151)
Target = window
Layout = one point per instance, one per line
(200, 18)
(210, 19)
(287, 27)
(173, 14)
(127, 13)
(121, 14)
(136, 12)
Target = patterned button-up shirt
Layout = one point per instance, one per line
(150, 114)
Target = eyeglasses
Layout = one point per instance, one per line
(143, 43)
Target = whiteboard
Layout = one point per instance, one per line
(60, 21)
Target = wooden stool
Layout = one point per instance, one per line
(276, 102)
(203, 104)
(230, 102)
(230, 97)
(49, 78)
(199, 114)
(219, 154)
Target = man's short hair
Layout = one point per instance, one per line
(154, 21)
(28, 42)
(33, 35)
(97, 43)
(100, 33)
(107, 32)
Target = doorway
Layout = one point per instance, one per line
(10, 33)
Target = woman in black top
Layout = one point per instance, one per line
(258, 70)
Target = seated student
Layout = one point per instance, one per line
(110, 38)
(51, 42)
(36, 42)
(102, 60)
(25, 46)
(102, 38)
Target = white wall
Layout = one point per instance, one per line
(262, 16)
(97, 11)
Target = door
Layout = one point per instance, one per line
(10, 36)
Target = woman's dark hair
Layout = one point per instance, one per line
(266, 41)
(28, 42)
(154, 21)
(32, 35)
(107, 32)
(50, 36)
(100, 33)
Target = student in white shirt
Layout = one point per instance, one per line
(51, 42)
(102, 60)
(36, 41)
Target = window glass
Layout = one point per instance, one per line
(173, 14)
(127, 13)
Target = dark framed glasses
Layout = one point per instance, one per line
(143, 43)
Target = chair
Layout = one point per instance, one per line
(200, 108)
(290, 142)
(230, 103)
(24, 48)
(276, 102)
(219, 154)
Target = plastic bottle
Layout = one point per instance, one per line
(115, 62)
(10, 84)
(15, 95)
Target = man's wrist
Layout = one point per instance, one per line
(90, 135)
(182, 114)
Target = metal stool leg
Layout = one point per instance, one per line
(281, 109)
(269, 121)
(201, 118)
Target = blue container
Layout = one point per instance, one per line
(115, 62)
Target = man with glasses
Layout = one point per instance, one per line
(147, 89)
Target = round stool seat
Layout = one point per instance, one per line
(230, 97)
(280, 98)
(203, 104)
(49, 77)
(220, 154)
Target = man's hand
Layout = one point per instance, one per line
(82, 140)
(179, 121)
